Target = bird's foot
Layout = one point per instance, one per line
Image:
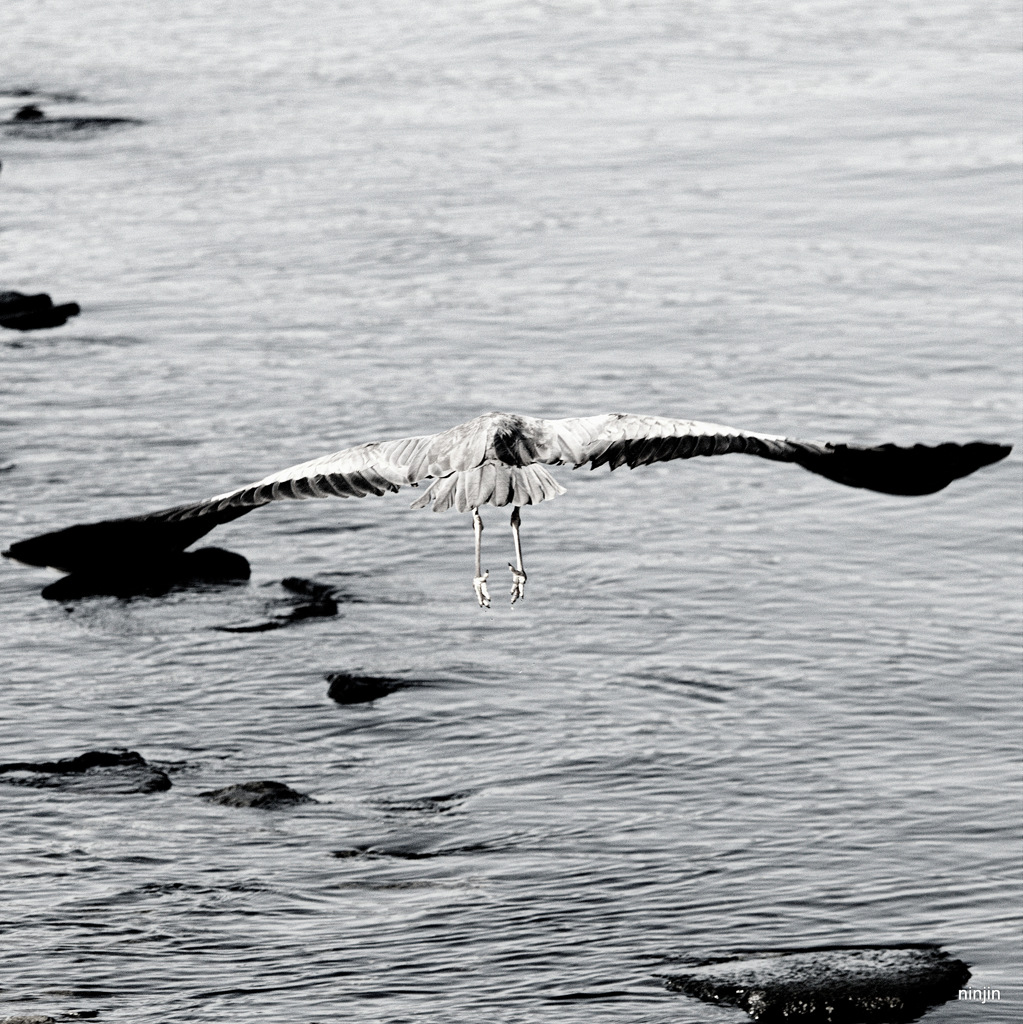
(479, 584)
(518, 588)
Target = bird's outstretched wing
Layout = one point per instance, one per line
(462, 461)
(120, 544)
(627, 440)
(498, 459)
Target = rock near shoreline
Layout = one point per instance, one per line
(266, 795)
(20, 312)
(100, 771)
(880, 985)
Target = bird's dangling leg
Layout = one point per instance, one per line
(518, 589)
(479, 583)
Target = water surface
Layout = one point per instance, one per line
(740, 707)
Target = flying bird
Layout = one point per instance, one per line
(496, 459)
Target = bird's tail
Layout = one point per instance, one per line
(493, 483)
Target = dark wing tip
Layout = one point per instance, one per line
(921, 469)
(122, 544)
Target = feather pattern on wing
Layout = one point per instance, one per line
(499, 459)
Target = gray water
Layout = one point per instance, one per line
(740, 708)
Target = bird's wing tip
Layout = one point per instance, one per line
(987, 453)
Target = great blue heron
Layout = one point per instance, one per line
(495, 459)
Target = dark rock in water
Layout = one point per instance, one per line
(318, 602)
(29, 1018)
(32, 123)
(18, 302)
(348, 689)
(266, 795)
(305, 611)
(153, 577)
(109, 771)
(213, 565)
(30, 112)
(886, 985)
(21, 312)
(308, 588)
(55, 317)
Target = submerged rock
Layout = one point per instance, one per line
(20, 312)
(309, 589)
(312, 600)
(348, 689)
(266, 795)
(31, 122)
(29, 112)
(315, 600)
(408, 852)
(107, 771)
(886, 985)
(153, 577)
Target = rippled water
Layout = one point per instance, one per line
(740, 708)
